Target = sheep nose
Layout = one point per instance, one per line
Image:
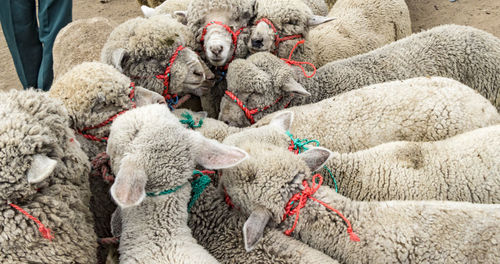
(216, 49)
(257, 43)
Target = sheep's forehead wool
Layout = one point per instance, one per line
(263, 180)
(157, 37)
(288, 16)
(89, 87)
(198, 11)
(31, 123)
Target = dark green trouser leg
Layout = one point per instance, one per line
(20, 28)
(52, 16)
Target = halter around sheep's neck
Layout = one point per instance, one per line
(250, 113)
(234, 37)
(277, 38)
(172, 99)
(84, 131)
(299, 201)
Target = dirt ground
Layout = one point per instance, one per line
(483, 14)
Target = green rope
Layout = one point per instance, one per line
(189, 121)
(198, 186)
(153, 194)
(299, 145)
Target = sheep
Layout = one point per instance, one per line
(214, 225)
(385, 231)
(80, 41)
(174, 8)
(419, 109)
(466, 54)
(153, 158)
(462, 168)
(94, 93)
(43, 171)
(357, 27)
(218, 44)
(155, 53)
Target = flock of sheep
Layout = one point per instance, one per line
(336, 136)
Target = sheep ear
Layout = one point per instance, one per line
(214, 155)
(41, 168)
(117, 58)
(130, 181)
(283, 120)
(315, 157)
(292, 86)
(317, 20)
(253, 229)
(181, 16)
(147, 11)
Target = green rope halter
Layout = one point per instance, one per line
(188, 120)
(299, 145)
(198, 186)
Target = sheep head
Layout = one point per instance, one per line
(145, 48)
(263, 184)
(258, 81)
(234, 15)
(36, 145)
(284, 18)
(92, 92)
(151, 151)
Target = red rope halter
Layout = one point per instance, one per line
(234, 37)
(166, 77)
(84, 130)
(277, 38)
(249, 113)
(43, 230)
(299, 63)
(299, 200)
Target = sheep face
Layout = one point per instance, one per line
(288, 17)
(145, 48)
(94, 92)
(258, 81)
(35, 141)
(150, 151)
(217, 42)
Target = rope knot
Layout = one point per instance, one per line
(188, 120)
(101, 167)
(289, 61)
(199, 185)
(299, 200)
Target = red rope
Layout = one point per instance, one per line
(277, 38)
(228, 201)
(43, 230)
(84, 130)
(166, 75)
(101, 167)
(299, 200)
(249, 113)
(108, 240)
(299, 63)
(234, 37)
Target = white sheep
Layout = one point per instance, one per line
(80, 41)
(225, 38)
(156, 54)
(174, 8)
(44, 172)
(152, 167)
(466, 54)
(94, 94)
(357, 231)
(419, 109)
(465, 167)
(354, 27)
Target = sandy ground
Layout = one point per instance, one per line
(483, 14)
